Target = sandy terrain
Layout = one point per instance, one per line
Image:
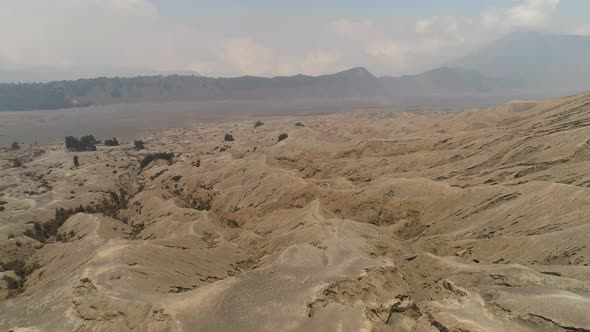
(362, 221)
(129, 120)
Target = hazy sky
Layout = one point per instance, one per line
(263, 37)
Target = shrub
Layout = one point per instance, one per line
(11, 283)
(139, 145)
(72, 143)
(86, 143)
(111, 142)
(228, 138)
(258, 124)
(15, 145)
(17, 163)
(283, 136)
(154, 156)
(76, 162)
(299, 124)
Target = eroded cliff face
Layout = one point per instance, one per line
(372, 220)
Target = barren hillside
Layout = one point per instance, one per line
(363, 221)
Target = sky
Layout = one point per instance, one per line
(67, 39)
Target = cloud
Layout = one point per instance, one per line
(64, 33)
(423, 26)
(408, 48)
(98, 37)
(118, 7)
(427, 42)
(249, 57)
(316, 63)
(583, 30)
(101, 37)
(357, 30)
(530, 14)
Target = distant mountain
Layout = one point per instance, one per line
(518, 66)
(353, 84)
(443, 80)
(535, 62)
(45, 74)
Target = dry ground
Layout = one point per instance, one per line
(364, 221)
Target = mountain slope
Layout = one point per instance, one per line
(356, 83)
(535, 61)
(443, 80)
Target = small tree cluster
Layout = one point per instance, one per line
(109, 206)
(228, 138)
(154, 156)
(111, 142)
(139, 145)
(43, 232)
(85, 143)
(15, 145)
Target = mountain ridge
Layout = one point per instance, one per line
(519, 65)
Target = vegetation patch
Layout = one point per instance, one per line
(168, 156)
(282, 136)
(85, 143)
(111, 142)
(47, 232)
(16, 163)
(139, 145)
(153, 177)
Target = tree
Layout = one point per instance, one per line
(282, 137)
(15, 145)
(76, 162)
(228, 138)
(139, 145)
(111, 142)
(86, 143)
(72, 143)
